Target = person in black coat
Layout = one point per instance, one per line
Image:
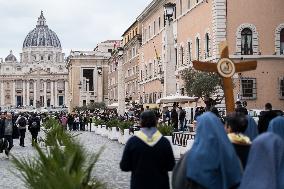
(174, 118)
(34, 127)
(265, 117)
(236, 124)
(148, 155)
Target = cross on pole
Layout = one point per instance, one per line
(226, 68)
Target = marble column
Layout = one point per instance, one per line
(45, 94)
(56, 96)
(28, 93)
(66, 94)
(14, 93)
(51, 93)
(35, 92)
(24, 93)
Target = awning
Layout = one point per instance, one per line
(176, 98)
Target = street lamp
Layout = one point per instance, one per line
(169, 10)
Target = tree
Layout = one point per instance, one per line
(202, 85)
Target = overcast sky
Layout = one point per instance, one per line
(79, 24)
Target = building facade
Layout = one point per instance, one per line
(88, 75)
(196, 31)
(39, 78)
(131, 45)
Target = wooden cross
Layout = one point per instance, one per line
(226, 68)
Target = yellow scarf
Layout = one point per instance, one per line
(149, 141)
(238, 138)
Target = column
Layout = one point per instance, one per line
(14, 94)
(51, 94)
(35, 91)
(66, 96)
(121, 88)
(170, 61)
(2, 96)
(24, 93)
(56, 96)
(44, 93)
(28, 93)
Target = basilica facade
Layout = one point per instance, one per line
(40, 77)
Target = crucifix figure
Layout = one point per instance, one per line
(226, 68)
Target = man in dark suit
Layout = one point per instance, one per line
(265, 117)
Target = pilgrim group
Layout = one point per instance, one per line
(229, 153)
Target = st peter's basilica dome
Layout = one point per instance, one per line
(41, 36)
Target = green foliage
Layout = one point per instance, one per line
(96, 105)
(165, 129)
(50, 122)
(200, 84)
(112, 123)
(99, 122)
(125, 125)
(64, 165)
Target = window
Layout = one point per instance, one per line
(188, 4)
(41, 58)
(246, 47)
(19, 69)
(197, 48)
(7, 69)
(282, 41)
(176, 54)
(159, 23)
(154, 27)
(49, 57)
(281, 88)
(149, 32)
(207, 45)
(181, 55)
(197, 1)
(248, 88)
(189, 51)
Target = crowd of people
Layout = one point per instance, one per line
(228, 153)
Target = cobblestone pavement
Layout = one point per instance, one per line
(106, 169)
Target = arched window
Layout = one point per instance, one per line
(189, 51)
(197, 47)
(207, 45)
(282, 41)
(246, 47)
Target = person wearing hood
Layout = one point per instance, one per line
(148, 155)
(212, 162)
(265, 166)
(276, 126)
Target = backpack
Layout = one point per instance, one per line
(22, 122)
(34, 124)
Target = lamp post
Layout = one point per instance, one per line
(169, 79)
(121, 89)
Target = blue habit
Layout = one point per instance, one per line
(276, 126)
(212, 161)
(251, 130)
(265, 166)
